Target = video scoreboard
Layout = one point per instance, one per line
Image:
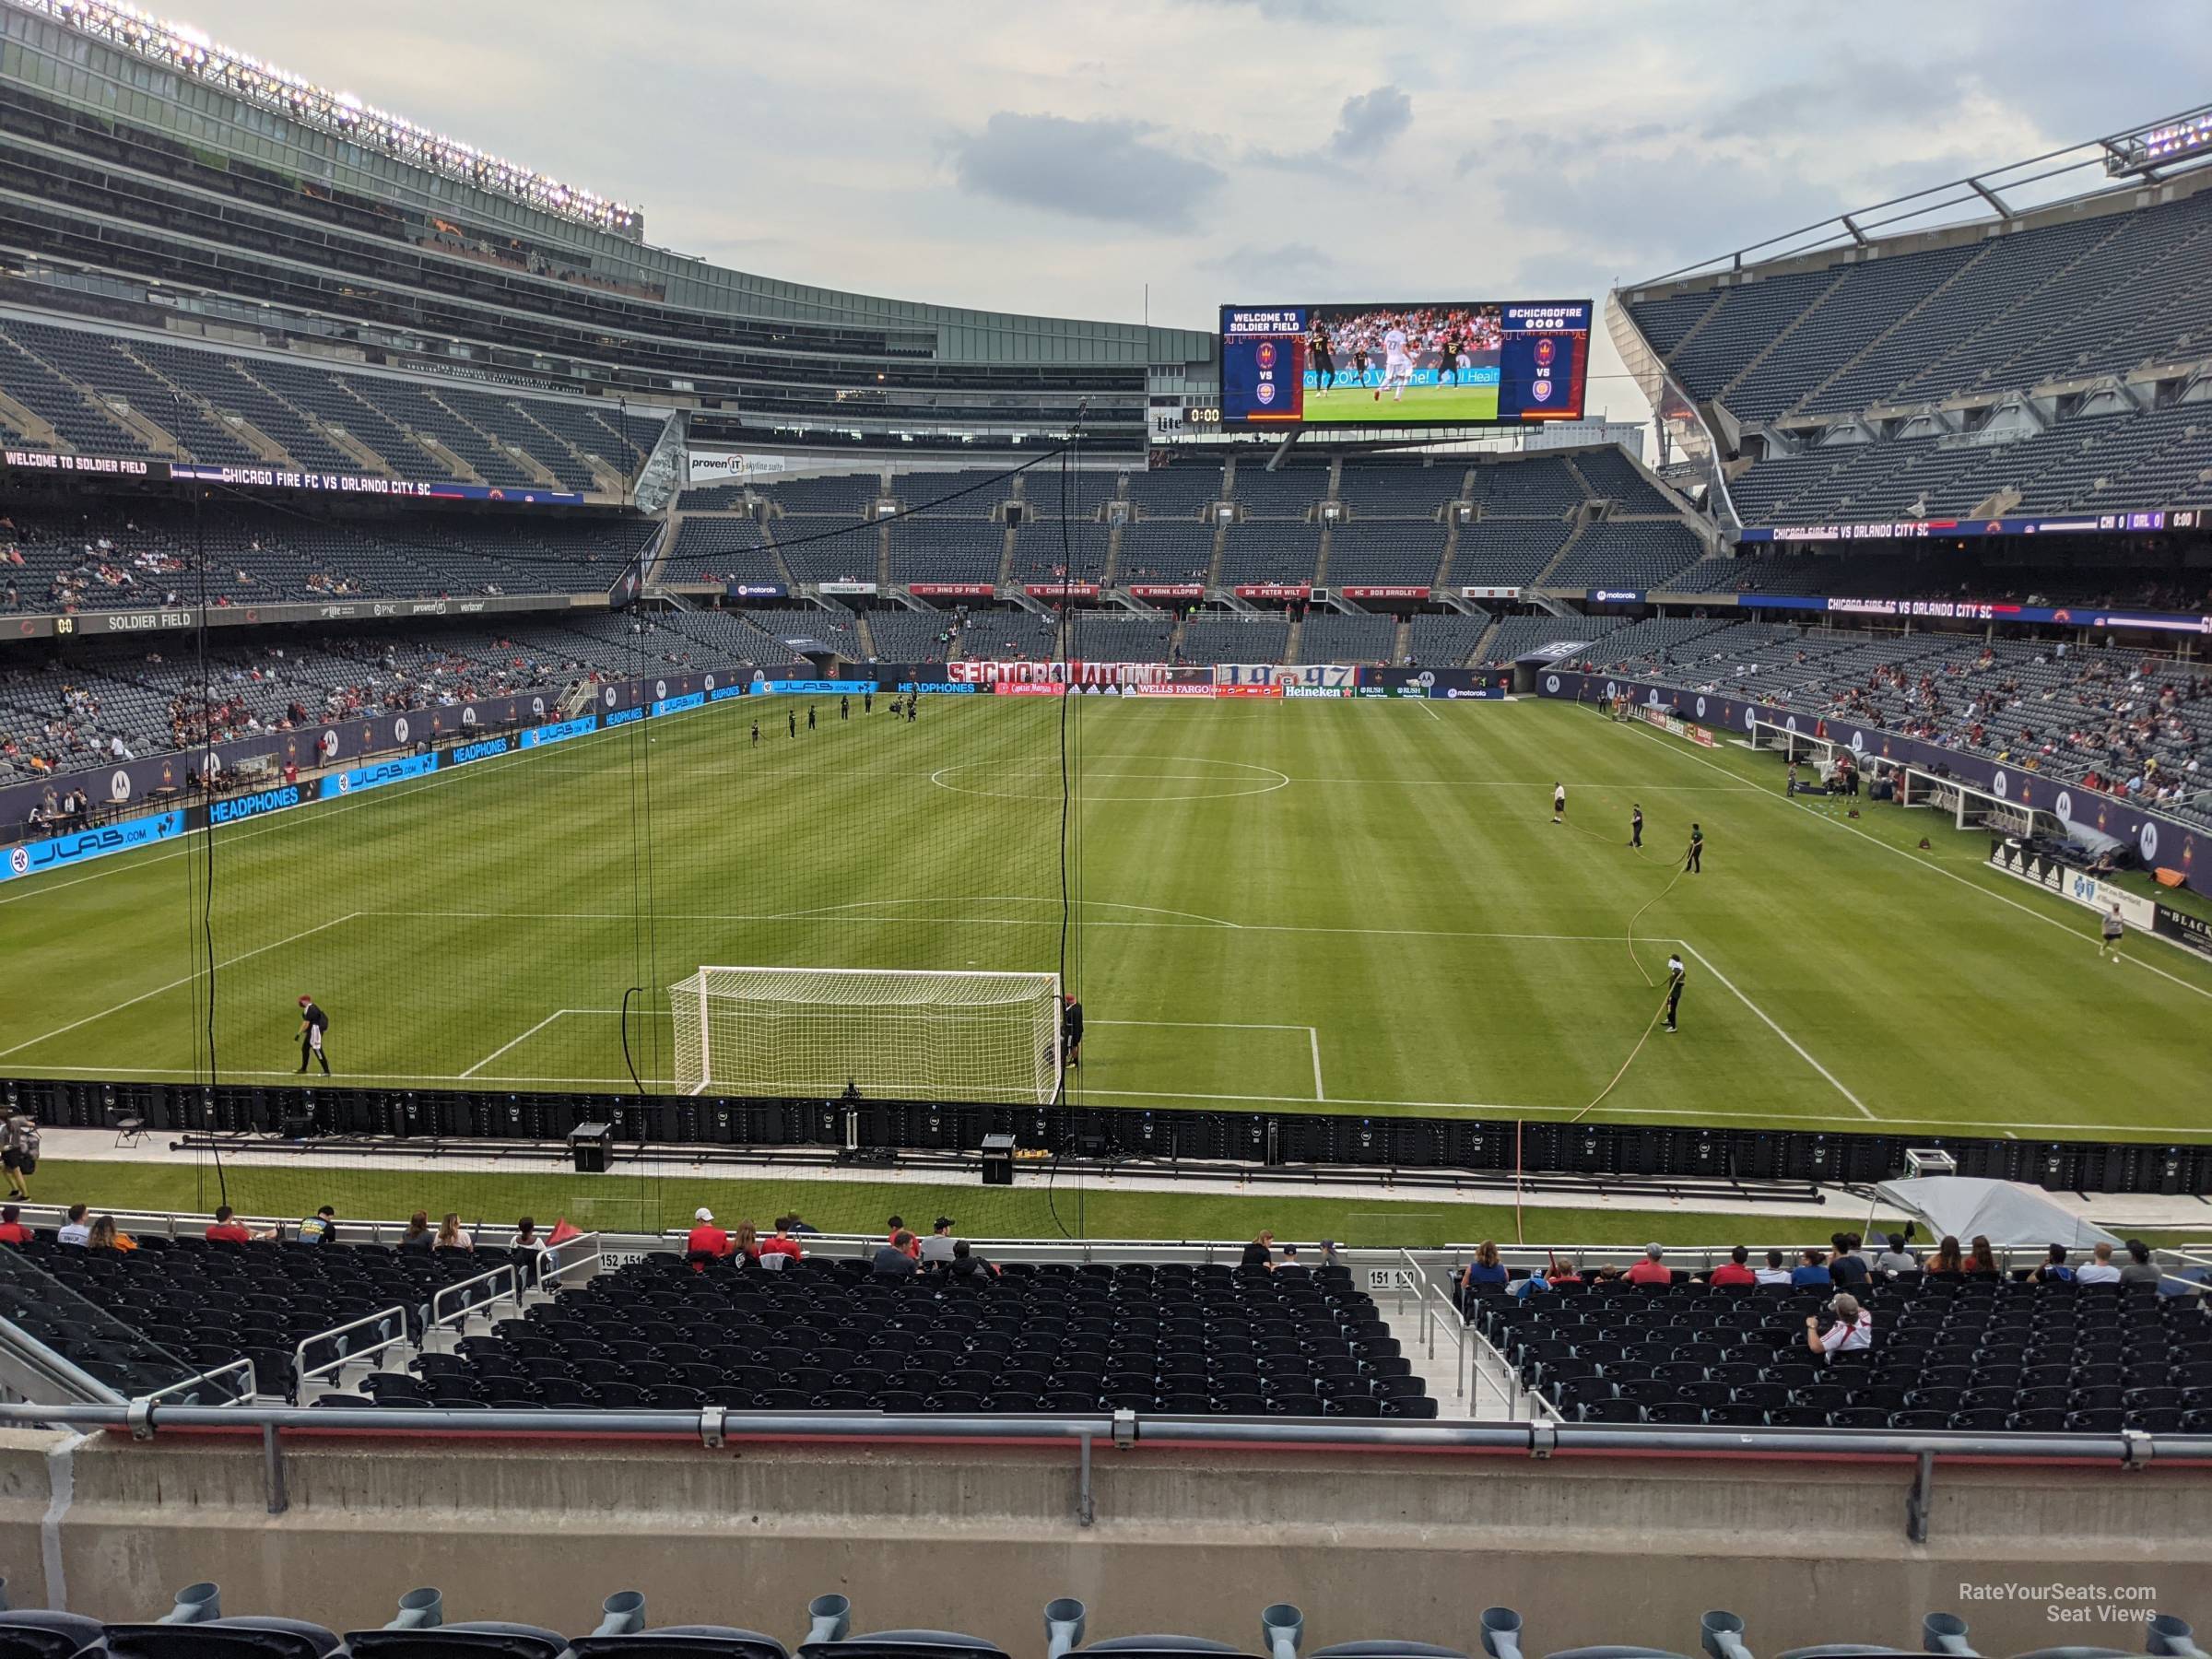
(1410, 363)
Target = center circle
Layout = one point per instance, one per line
(1196, 786)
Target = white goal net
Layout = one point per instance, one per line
(891, 1033)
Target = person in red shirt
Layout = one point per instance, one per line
(1735, 1270)
(227, 1229)
(1652, 1270)
(705, 1238)
(12, 1230)
(781, 1243)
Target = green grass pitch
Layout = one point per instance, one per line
(1357, 406)
(1358, 906)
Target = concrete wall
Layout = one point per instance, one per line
(978, 1538)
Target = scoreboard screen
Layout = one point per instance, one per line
(1413, 363)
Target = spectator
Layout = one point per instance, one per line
(2100, 1269)
(1980, 1259)
(1776, 1271)
(321, 1228)
(12, 1230)
(966, 1264)
(525, 1235)
(937, 1250)
(801, 1229)
(1735, 1270)
(1485, 1269)
(895, 1259)
(1946, 1258)
(706, 1241)
(1328, 1254)
(1811, 1269)
(779, 1247)
(1846, 1269)
(1652, 1270)
(2139, 1269)
(74, 1229)
(227, 1228)
(2053, 1270)
(1290, 1260)
(1851, 1331)
(418, 1235)
(1897, 1259)
(746, 1244)
(451, 1237)
(104, 1235)
(20, 1151)
(1260, 1252)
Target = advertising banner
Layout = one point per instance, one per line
(2182, 928)
(851, 589)
(1615, 596)
(538, 736)
(756, 590)
(722, 467)
(1979, 610)
(356, 780)
(1081, 674)
(187, 618)
(2132, 522)
(2156, 840)
(34, 858)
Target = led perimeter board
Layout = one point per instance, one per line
(1411, 363)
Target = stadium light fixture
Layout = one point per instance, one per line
(2146, 152)
(190, 51)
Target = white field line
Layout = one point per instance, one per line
(1487, 1109)
(173, 984)
(511, 1042)
(1313, 1036)
(1771, 1024)
(1919, 864)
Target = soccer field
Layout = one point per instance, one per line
(1354, 906)
(1358, 405)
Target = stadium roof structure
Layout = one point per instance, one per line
(188, 51)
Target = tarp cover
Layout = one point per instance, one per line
(2005, 1212)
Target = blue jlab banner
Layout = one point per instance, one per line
(34, 857)
(538, 736)
(762, 688)
(461, 754)
(375, 775)
(260, 803)
(676, 705)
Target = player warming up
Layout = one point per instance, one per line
(313, 1023)
(756, 734)
(1322, 357)
(1559, 803)
(2113, 930)
(1398, 364)
(1636, 825)
(1674, 987)
(1693, 863)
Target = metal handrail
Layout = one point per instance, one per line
(302, 1375)
(1427, 1292)
(555, 1264)
(712, 1427)
(236, 1400)
(438, 1321)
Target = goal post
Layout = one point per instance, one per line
(890, 1034)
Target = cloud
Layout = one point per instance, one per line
(1368, 122)
(1112, 170)
(1277, 268)
(1295, 11)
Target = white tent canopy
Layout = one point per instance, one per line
(2009, 1213)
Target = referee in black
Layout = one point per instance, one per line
(1674, 986)
(313, 1023)
(1071, 1031)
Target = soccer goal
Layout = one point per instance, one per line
(890, 1034)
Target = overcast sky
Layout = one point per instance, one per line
(1059, 158)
